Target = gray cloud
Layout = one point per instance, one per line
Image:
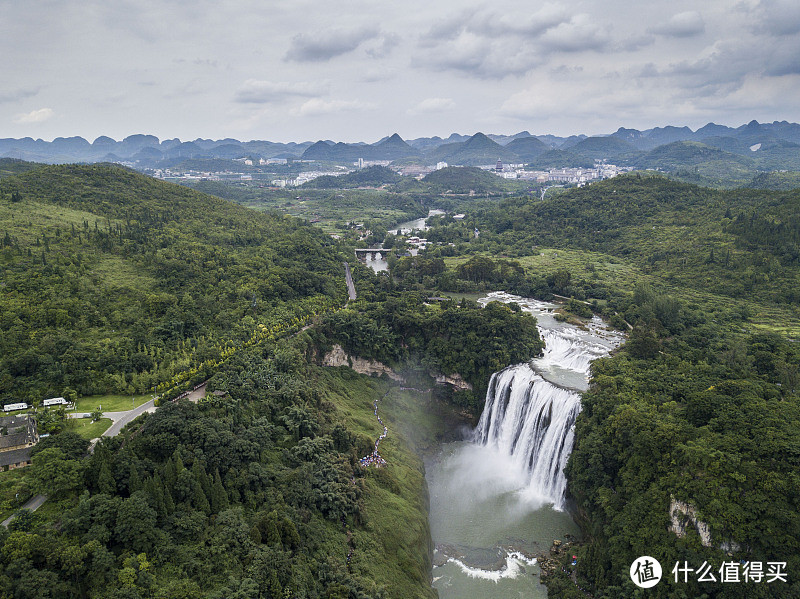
(576, 35)
(255, 91)
(18, 94)
(322, 46)
(117, 68)
(382, 46)
(634, 43)
(493, 45)
(685, 24)
(783, 59)
(492, 24)
(778, 17)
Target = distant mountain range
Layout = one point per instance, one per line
(776, 144)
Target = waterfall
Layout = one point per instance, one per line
(531, 419)
(567, 349)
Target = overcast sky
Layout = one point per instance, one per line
(356, 71)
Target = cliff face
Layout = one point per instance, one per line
(681, 515)
(454, 380)
(338, 357)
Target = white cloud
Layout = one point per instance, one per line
(317, 107)
(685, 24)
(432, 105)
(255, 91)
(34, 116)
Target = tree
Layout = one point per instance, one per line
(643, 343)
(559, 280)
(136, 523)
(105, 481)
(96, 414)
(70, 443)
(54, 474)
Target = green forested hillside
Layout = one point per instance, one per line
(463, 180)
(113, 281)
(327, 208)
(257, 494)
(373, 176)
(776, 180)
(464, 340)
(683, 235)
(12, 166)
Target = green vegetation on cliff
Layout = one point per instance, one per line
(461, 340)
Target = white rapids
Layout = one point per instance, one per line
(501, 492)
(528, 416)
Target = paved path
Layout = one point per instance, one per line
(33, 504)
(351, 289)
(197, 394)
(122, 418)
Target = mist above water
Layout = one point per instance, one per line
(498, 498)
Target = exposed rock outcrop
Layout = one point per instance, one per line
(681, 514)
(454, 380)
(338, 357)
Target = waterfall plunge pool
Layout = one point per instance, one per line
(497, 498)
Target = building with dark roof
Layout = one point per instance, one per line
(18, 435)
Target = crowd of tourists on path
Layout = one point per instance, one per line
(375, 459)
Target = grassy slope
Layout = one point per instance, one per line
(393, 548)
(90, 430)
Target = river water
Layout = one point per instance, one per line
(377, 262)
(419, 224)
(497, 498)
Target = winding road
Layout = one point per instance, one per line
(351, 288)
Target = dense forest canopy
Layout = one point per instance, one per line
(255, 494)
(113, 281)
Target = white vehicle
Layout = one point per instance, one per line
(55, 401)
(11, 407)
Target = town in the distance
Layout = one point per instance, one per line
(712, 152)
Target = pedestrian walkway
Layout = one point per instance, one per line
(375, 458)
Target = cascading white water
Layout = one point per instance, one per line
(498, 498)
(531, 420)
(566, 349)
